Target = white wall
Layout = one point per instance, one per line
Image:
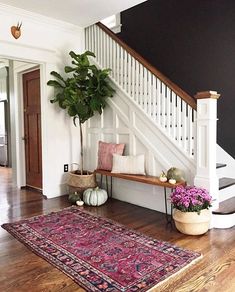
(45, 42)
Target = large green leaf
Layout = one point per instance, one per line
(57, 75)
(68, 69)
(54, 83)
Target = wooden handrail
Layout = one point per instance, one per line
(185, 96)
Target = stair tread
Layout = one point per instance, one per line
(226, 207)
(225, 182)
(220, 165)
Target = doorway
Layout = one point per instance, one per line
(22, 107)
(32, 129)
(5, 150)
(46, 59)
(3, 133)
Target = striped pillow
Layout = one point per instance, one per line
(129, 164)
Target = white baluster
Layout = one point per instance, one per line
(89, 38)
(168, 110)
(150, 94)
(145, 95)
(163, 105)
(178, 119)
(137, 87)
(118, 64)
(190, 131)
(125, 70)
(92, 38)
(133, 80)
(194, 133)
(98, 44)
(86, 43)
(159, 102)
(114, 60)
(129, 74)
(110, 54)
(141, 86)
(107, 52)
(184, 123)
(102, 49)
(122, 67)
(174, 121)
(154, 94)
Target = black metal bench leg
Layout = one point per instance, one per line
(172, 209)
(101, 180)
(111, 191)
(168, 221)
(107, 185)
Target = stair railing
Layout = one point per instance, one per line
(172, 109)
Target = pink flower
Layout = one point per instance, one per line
(190, 199)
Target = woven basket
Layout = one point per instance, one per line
(78, 182)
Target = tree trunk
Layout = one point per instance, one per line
(81, 145)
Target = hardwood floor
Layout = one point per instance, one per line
(23, 271)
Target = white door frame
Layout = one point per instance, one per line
(18, 89)
(47, 60)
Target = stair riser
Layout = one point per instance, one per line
(226, 193)
(221, 172)
(223, 221)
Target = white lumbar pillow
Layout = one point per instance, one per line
(128, 164)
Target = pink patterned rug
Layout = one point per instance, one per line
(99, 254)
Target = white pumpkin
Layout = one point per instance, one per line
(95, 197)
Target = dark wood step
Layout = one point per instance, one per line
(220, 165)
(226, 207)
(226, 182)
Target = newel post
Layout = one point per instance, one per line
(206, 143)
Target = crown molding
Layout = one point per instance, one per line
(27, 53)
(39, 18)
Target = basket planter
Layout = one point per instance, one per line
(192, 223)
(78, 182)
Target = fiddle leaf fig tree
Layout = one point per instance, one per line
(84, 92)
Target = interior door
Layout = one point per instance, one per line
(32, 129)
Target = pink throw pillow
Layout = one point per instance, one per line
(105, 154)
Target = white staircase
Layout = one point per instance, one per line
(151, 111)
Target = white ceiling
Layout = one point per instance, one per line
(78, 12)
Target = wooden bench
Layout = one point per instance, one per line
(146, 179)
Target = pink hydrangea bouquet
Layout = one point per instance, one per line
(190, 199)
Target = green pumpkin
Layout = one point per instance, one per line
(95, 197)
(175, 173)
(74, 197)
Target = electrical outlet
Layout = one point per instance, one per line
(66, 167)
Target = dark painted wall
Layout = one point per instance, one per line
(193, 43)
